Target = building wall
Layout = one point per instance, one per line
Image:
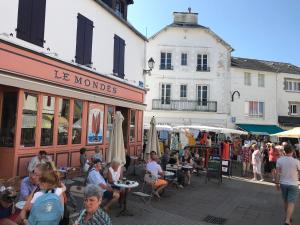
(192, 41)
(266, 94)
(285, 96)
(60, 35)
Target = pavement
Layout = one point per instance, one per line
(238, 200)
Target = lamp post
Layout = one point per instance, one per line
(151, 63)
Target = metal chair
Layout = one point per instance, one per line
(147, 190)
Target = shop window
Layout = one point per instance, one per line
(8, 121)
(77, 122)
(63, 121)
(132, 127)
(47, 121)
(29, 119)
(110, 115)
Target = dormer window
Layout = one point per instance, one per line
(120, 8)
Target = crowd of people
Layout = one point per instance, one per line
(44, 191)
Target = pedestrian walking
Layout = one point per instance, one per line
(256, 162)
(287, 176)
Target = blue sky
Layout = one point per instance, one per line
(260, 29)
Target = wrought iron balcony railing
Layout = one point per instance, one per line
(184, 105)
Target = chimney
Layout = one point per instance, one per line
(185, 18)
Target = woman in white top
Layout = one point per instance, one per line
(115, 173)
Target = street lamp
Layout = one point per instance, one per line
(151, 63)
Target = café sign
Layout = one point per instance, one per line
(84, 82)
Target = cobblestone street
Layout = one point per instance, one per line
(240, 201)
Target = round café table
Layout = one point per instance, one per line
(128, 184)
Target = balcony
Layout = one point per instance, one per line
(184, 105)
(165, 67)
(203, 68)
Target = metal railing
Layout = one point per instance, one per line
(203, 68)
(184, 105)
(165, 67)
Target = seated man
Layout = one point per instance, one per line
(30, 183)
(94, 177)
(41, 158)
(155, 169)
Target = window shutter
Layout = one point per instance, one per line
(24, 19)
(108, 2)
(116, 54)
(246, 108)
(88, 42)
(38, 22)
(121, 57)
(79, 58)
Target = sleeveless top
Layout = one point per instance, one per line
(115, 174)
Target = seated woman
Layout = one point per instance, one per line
(49, 183)
(7, 210)
(115, 171)
(187, 160)
(92, 213)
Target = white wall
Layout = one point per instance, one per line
(285, 96)
(191, 41)
(265, 94)
(61, 28)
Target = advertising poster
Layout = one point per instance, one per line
(95, 125)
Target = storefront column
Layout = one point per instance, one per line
(18, 129)
(39, 122)
(70, 130)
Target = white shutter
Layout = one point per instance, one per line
(246, 108)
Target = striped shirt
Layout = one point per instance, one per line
(99, 218)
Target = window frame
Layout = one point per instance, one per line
(202, 101)
(183, 91)
(202, 62)
(250, 109)
(165, 100)
(166, 61)
(247, 79)
(261, 80)
(184, 61)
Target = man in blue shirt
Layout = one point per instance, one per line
(29, 184)
(94, 177)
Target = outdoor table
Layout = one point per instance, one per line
(128, 184)
(187, 167)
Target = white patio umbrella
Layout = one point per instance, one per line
(152, 140)
(116, 143)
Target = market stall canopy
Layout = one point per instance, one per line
(197, 127)
(232, 131)
(260, 129)
(159, 127)
(293, 133)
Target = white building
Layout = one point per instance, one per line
(196, 81)
(265, 95)
(190, 81)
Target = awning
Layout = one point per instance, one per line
(260, 129)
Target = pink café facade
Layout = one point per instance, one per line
(47, 104)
